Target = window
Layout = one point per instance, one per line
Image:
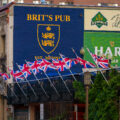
(10, 1)
(20, 1)
(46, 2)
(107, 4)
(49, 2)
(65, 3)
(36, 2)
(4, 2)
(70, 3)
(62, 3)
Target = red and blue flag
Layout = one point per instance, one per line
(100, 61)
(17, 75)
(68, 61)
(44, 65)
(59, 64)
(84, 63)
(35, 66)
(25, 70)
(5, 76)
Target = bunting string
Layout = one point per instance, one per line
(59, 65)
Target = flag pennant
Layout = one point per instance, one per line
(69, 61)
(64, 63)
(100, 61)
(44, 65)
(17, 75)
(59, 64)
(5, 76)
(84, 63)
(25, 69)
(35, 66)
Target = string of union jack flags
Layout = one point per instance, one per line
(62, 64)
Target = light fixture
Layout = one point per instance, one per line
(82, 51)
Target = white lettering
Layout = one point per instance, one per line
(108, 52)
(117, 51)
(98, 52)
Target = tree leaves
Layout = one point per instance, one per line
(79, 91)
(103, 98)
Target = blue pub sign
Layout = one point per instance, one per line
(40, 32)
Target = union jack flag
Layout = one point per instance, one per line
(59, 64)
(17, 75)
(75, 61)
(5, 76)
(25, 70)
(44, 65)
(85, 63)
(100, 61)
(69, 61)
(35, 66)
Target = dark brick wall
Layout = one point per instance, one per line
(87, 2)
(28, 1)
(81, 2)
(95, 2)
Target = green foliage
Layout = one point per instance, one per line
(59, 117)
(103, 97)
(79, 91)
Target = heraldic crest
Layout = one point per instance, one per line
(48, 36)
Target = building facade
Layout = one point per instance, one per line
(68, 2)
(3, 60)
(31, 31)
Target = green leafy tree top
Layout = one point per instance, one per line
(103, 98)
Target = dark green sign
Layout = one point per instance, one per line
(99, 20)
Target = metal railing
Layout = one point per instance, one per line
(20, 98)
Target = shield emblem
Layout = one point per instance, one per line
(48, 36)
